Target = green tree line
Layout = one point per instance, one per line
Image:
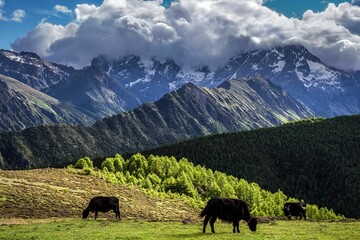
(167, 176)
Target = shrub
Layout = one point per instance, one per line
(87, 171)
(81, 164)
(109, 164)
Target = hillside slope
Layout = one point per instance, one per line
(46, 193)
(316, 160)
(22, 106)
(186, 113)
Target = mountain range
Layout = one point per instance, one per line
(111, 86)
(188, 112)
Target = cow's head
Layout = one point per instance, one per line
(286, 210)
(85, 213)
(252, 224)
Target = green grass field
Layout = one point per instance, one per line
(47, 204)
(127, 229)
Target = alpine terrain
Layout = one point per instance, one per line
(188, 112)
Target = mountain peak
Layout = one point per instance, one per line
(30, 55)
(101, 62)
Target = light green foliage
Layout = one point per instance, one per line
(87, 171)
(89, 163)
(80, 164)
(164, 176)
(109, 164)
(120, 177)
(119, 163)
(184, 185)
(111, 178)
(85, 162)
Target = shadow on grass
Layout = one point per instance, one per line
(198, 235)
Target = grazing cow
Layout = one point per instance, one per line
(227, 209)
(295, 209)
(102, 204)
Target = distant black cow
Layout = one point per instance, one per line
(295, 209)
(228, 209)
(102, 204)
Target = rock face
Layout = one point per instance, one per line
(95, 93)
(188, 112)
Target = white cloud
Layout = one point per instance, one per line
(17, 15)
(195, 32)
(83, 11)
(2, 17)
(40, 39)
(62, 9)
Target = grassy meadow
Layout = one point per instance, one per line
(128, 229)
(47, 204)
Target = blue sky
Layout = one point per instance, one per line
(43, 10)
(296, 8)
(35, 12)
(192, 32)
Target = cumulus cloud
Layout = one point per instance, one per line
(195, 32)
(62, 9)
(2, 17)
(43, 36)
(17, 16)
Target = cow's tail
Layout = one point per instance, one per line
(205, 211)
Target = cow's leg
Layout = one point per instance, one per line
(236, 226)
(117, 213)
(96, 213)
(300, 216)
(304, 214)
(206, 220)
(212, 221)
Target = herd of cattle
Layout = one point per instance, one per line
(227, 209)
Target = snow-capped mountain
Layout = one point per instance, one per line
(324, 89)
(149, 80)
(30, 69)
(111, 86)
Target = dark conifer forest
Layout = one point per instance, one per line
(315, 159)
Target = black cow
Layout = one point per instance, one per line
(230, 210)
(295, 209)
(102, 204)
